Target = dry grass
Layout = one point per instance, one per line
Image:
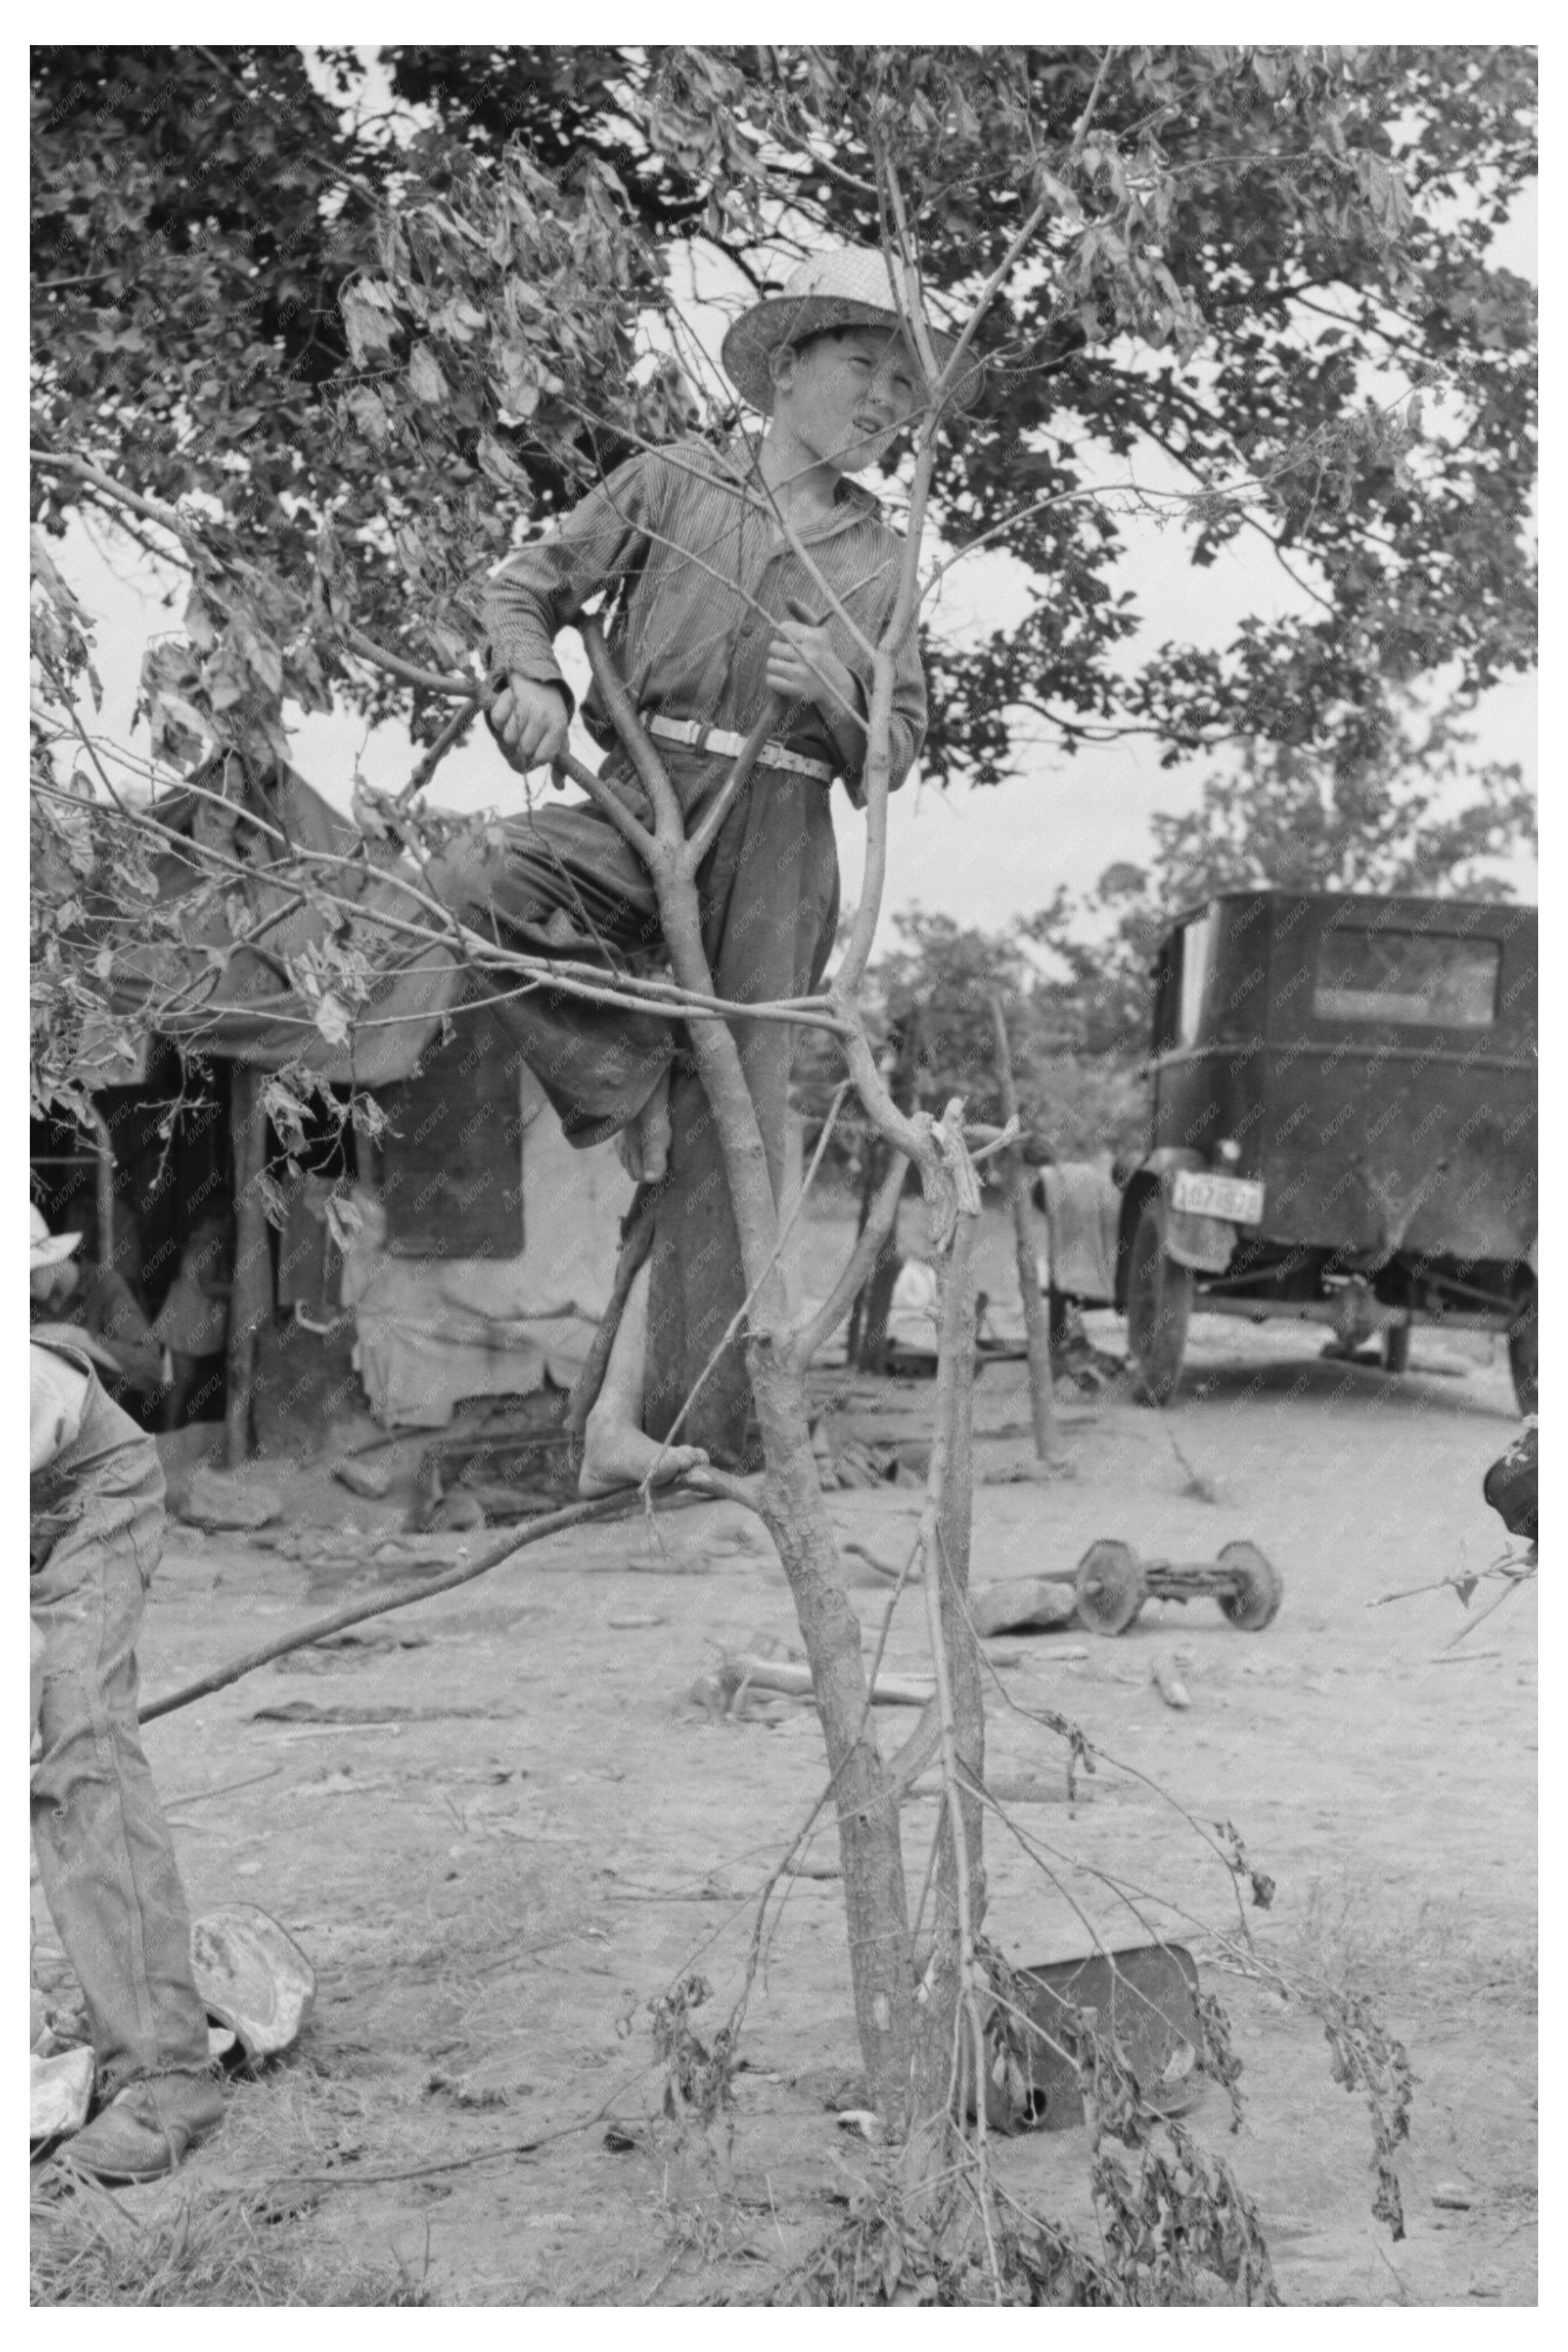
(1434, 1962)
(88, 2249)
(243, 2239)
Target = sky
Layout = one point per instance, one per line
(982, 855)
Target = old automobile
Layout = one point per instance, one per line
(1344, 1127)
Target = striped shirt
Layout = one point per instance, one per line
(700, 568)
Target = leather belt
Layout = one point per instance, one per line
(721, 740)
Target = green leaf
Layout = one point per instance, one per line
(368, 321)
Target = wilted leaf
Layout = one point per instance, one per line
(331, 1019)
(344, 1222)
(285, 1111)
(274, 1202)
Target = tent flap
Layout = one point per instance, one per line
(233, 998)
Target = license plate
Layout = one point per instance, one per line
(1236, 1198)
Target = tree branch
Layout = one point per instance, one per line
(809, 1336)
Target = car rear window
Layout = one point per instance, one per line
(1409, 978)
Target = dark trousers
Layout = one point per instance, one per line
(769, 892)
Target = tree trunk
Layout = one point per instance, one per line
(866, 1347)
(877, 1302)
(251, 1297)
(791, 1501)
(1036, 1318)
(878, 1159)
(875, 1896)
(938, 1955)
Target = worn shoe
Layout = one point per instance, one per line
(146, 2128)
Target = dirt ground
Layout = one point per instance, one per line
(505, 1828)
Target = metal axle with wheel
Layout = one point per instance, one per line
(1112, 1583)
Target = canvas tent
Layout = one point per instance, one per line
(231, 997)
(475, 1215)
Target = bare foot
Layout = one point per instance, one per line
(644, 1143)
(655, 1133)
(615, 1453)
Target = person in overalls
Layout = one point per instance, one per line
(105, 1856)
(713, 612)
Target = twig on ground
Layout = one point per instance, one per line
(347, 2180)
(619, 1505)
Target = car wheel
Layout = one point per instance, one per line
(1396, 1348)
(1159, 1303)
(1523, 1341)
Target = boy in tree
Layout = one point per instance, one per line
(104, 1852)
(716, 563)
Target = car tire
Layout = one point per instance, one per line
(1159, 1305)
(1396, 1348)
(1523, 1343)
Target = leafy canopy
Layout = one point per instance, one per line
(361, 324)
(380, 319)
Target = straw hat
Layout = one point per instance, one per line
(850, 287)
(49, 1249)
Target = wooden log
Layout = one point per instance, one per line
(1037, 1319)
(1023, 1603)
(251, 1298)
(793, 1677)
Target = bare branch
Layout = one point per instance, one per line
(603, 799)
(670, 828)
(856, 1273)
(450, 735)
(167, 518)
(701, 841)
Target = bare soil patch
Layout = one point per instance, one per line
(502, 1827)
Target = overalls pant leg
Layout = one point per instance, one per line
(105, 1855)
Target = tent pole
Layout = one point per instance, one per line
(251, 1298)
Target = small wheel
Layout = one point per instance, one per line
(1396, 1348)
(1159, 1303)
(1262, 1588)
(1524, 1344)
(1109, 1588)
